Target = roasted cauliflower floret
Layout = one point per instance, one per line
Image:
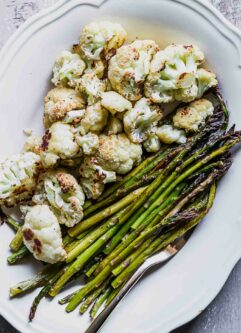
(101, 39)
(58, 102)
(42, 235)
(91, 88)
(139, 121)
(18, 176)
(130, 66)
(94, 177)
(96, 67)
(152, 143)
(114, 126)
(169, 134)
(191, 116)
(204, 81)
(65, 196)
(67, 69)
(114, 102)
(94, 120)
(58, 143)
(171, 69)
(117, 153)
(89, 143)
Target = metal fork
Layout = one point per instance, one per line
(151, 262)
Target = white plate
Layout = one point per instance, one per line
(181, 289)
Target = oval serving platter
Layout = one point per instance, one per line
(182, 288)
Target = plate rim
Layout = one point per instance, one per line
(31, 26)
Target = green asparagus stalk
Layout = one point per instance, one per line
(83, 292)
(159, 226)
(118, 269)
(37, 281)
(95, 219)
(12, 223)
(122, 232)
(161, 243)
(82, 259)
(175, 178)
(21, 253)
(113, 294)
(43, 292)
(91, 270)
(67, 298)
(92, 297)
(83, 244)
(224, 108)
(163, 209)
(100, 300)
(17, 241)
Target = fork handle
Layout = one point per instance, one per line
(98, 322)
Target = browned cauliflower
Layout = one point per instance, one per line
(59, 102)
(101, 39)
(140, 121)
(94, 177)
(114, 102)
(94, 120)
(42, 235)
(18, 176)
(173, 71)
(89, 143)
(117, 153)
(91, 88)
(114, 126)
(67, 69)
(130, 66)
(61, 191)
(191, 116)
(58, 143)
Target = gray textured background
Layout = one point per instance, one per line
(223, 314)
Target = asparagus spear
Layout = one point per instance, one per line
(92, 297)
(77, 298)
(100, 300)
(82, 259)
(95, 283)
(12, 223)
(17, 241)
(37, 281)
(21, 253)
(153, 219)
(95, 219)
(161, 243)
(112, 295)
(166, 221)
(67, 298)
(43, 292)
(83, 244)
(175, 178)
